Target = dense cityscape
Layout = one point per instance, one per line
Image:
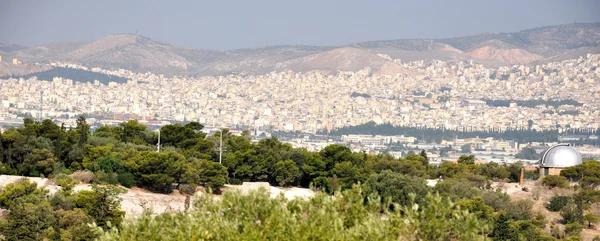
(438, 94)
(434, 94)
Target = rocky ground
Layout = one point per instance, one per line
(135, 200)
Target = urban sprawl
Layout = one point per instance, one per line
(454, 95)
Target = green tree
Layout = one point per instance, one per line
(520, 210)
(468, 160)
(203, 172)
(572, 213)
(286, 173)
(30, 221)
(83, 130)
(528, 153)
(494, 171)
(73, 225)
(156, 171)
(501, 229)
(101, 204)
(133, 132)
(20, 192)
(558, 202)
(477, 206)
(552, 181)
(396, 187)
(591, 219)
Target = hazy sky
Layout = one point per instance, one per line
(224, 24)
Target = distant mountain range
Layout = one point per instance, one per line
(142, 54)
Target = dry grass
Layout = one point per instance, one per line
(83, 176)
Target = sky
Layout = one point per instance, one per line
(229, 24)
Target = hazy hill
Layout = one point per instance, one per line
(10, 47)
(143, 54)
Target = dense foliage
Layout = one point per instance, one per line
(350, 215)
(34, 214)
(376, 197)
(429, 135)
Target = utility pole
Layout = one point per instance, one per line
(221, 149)
(158, 144)
(41, 105)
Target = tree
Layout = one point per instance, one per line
(501, 229)
(520, 210)
(477, 206)
(182, 136)
(515, 171)
(396, 187)
(73, 225)
(156, 171)
(82, 129)
(468, 160)
(38, 161)
(591, 219)
(286, 173)
(552, 181)
(558, 202)
(30, 221)
(102, 204)
(494, 171)
(203, 172)
(529, 124)
(527, 153)
(133, 132)
(572, 213)
(424, 155)
(431, 220)
(450, 170)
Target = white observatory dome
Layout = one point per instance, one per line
(561, 155)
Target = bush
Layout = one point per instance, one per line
(102, 177)
(498, 199)
(572, 213)
(572, 229)
(66, 182)
(553, 181)
(345, 216)
(558, 202)
(83, 176)
(126, 179)
(520, 210)
(396, 187)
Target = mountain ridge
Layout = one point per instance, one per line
(142, 54)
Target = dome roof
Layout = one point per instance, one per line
(562, 155)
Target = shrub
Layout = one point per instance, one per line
(572, 213)
(83, 176)
(102, 177)
(126, 179)
(65, 181)
(345, 216)
(572, 229)
(553, 181)
(520, 210)
(558, 202)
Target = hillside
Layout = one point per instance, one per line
(142, 54)
(10, 47)
(75, 74)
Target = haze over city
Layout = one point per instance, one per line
(239, 24)
(299, 120)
